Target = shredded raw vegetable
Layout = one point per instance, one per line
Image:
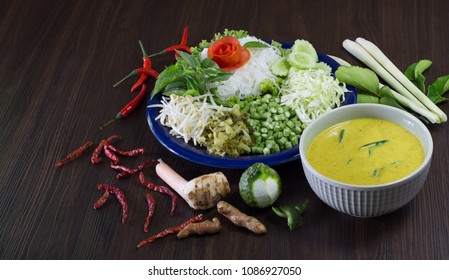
(187, 115)
(228, 134)
(311, 93)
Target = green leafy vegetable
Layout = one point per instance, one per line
(189, 74)
(415, 73)
(362, 78)
(438, 89)
(292, 212)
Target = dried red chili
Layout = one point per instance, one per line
(172, 230)
(75, 154)
(128, 108)
(95, 158)
(131, 153)
(110, 154)
(151, 207)
(180, 47)
(126, 171)
(161, 189)
(120, 195)
(102, 200)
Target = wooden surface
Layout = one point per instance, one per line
(58, 62)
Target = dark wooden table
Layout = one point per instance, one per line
(58, 62)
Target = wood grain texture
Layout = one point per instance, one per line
(58, 62)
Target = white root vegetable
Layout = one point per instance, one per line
(400, 98)
(413, 103)
(380, 57)
(200, 193)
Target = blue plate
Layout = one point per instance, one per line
(200, 155)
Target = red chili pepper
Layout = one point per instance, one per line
(151, 207)
(140, 81)
(128, 108)
(160, 189)
(110, 154)
(102, 200)
(120, 197)
(130, 153)
(75, 154)
(147, 65)
(146, 71)
(126, 171)
(180, 47)
(95, 158)
(172, 230)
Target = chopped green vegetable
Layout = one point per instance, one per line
(292, 212)
(373, 144)
(227, 134)
(275, 127)
(376, 172)
(260, 185)
(341, 136)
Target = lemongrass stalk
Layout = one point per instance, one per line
(380, 57)
(416, 107)
(361, 54)
(339, 60)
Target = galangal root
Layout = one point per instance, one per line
(240, 219)
(206, 227)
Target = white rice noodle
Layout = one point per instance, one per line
(245, 80)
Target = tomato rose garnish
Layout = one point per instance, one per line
(228, 53)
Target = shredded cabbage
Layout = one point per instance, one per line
(311, 93)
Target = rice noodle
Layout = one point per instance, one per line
(245, 80)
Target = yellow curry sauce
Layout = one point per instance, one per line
(366, 151)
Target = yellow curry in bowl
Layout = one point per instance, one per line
(365, 151)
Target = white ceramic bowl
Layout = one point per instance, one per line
(374, 200)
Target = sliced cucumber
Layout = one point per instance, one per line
(301, 60)
(305, 46)
(323, 66)
(280, 67)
